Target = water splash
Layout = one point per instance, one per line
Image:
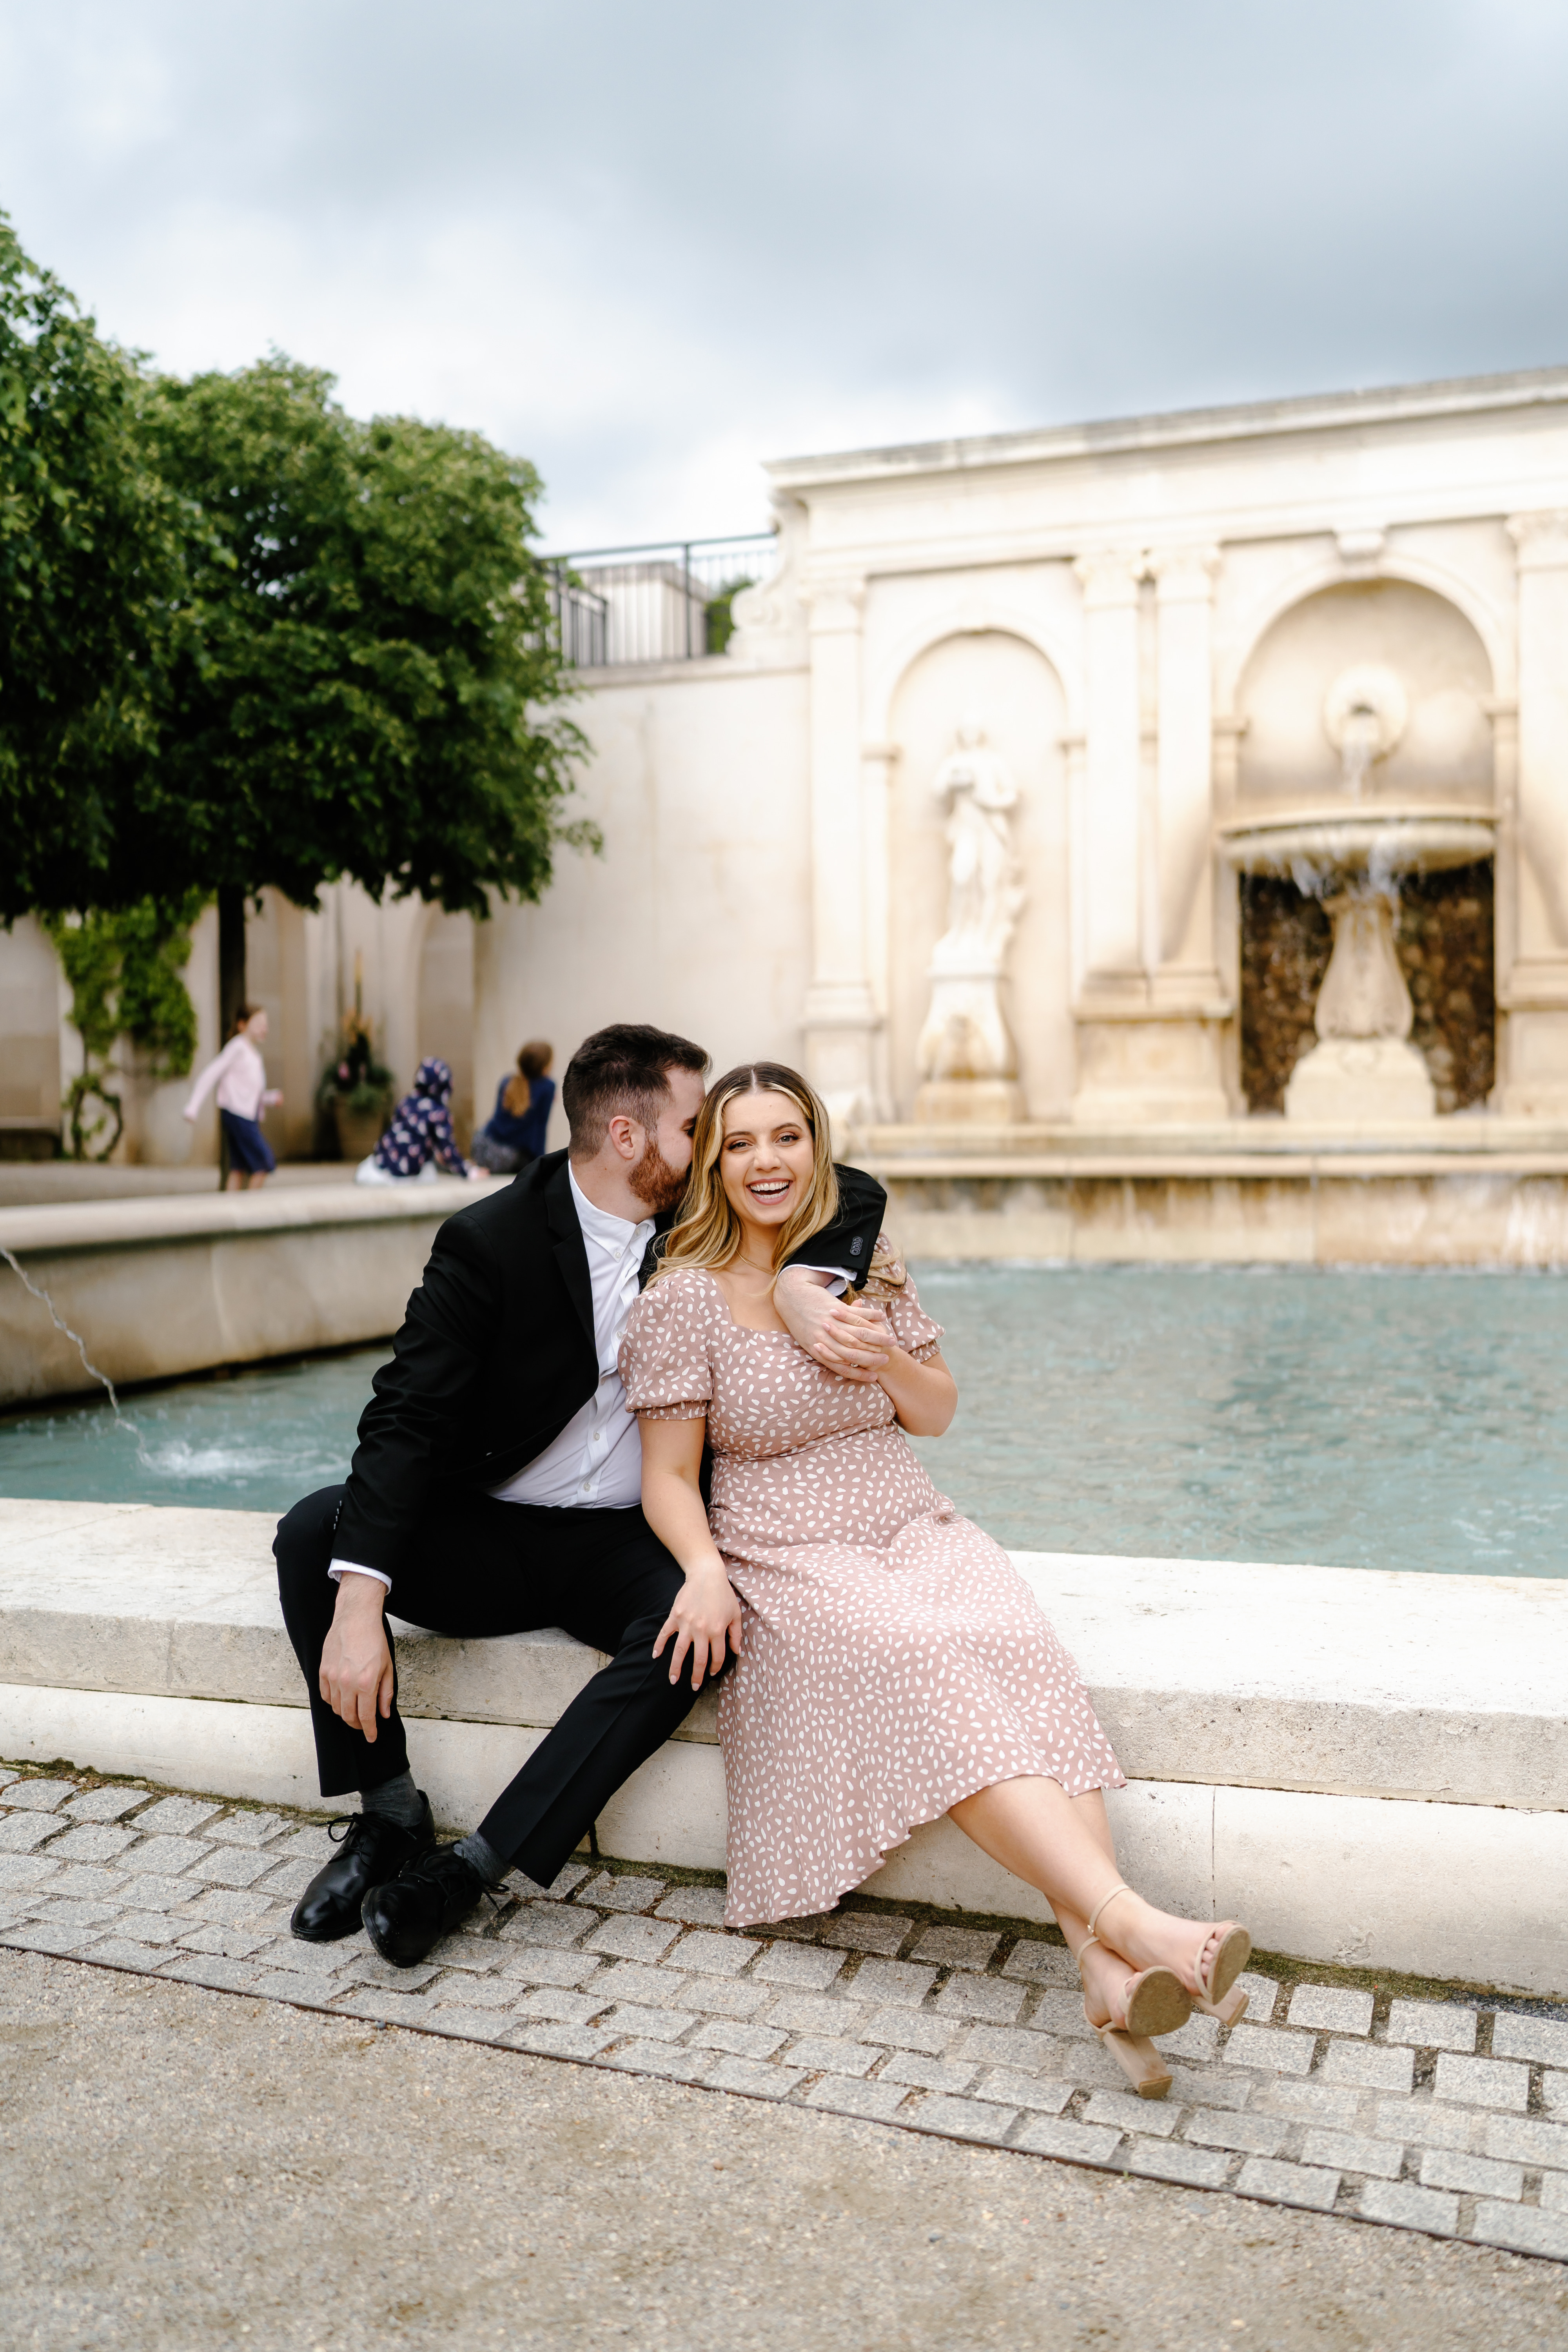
(74, 1337)
(1362, 743)
(122, 1419)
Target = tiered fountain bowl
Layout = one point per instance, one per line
(1363, 1071)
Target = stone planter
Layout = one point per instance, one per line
(167, 1135)
(359, 1131)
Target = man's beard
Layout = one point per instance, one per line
(656, 1183)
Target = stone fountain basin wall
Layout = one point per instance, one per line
(1370, 1769)
(1341, 1206)
(162, 1287)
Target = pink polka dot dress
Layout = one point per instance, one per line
(893, 1660)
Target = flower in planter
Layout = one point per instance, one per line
(356, 1077)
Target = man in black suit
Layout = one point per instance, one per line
(495, 1489)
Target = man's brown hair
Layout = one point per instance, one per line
(620, 1073)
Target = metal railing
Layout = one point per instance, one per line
(668, 601)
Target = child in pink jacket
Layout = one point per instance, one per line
(239, 1074)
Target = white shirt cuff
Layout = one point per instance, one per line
(340, 1568)
(837, 1282)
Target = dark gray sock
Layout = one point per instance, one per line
(480, 1855)
(395, 1800)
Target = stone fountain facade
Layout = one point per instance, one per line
(1074, 804)
(1090, 798)
(964, 816)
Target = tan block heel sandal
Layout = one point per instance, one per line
(1155, 2001)
(1214, 1996)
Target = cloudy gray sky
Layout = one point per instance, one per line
(649, 243)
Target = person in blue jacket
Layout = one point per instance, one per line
(515, 1134)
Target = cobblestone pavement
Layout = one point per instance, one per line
(1448, 2116)
(182, 2171)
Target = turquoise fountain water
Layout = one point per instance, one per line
(1354, 1419)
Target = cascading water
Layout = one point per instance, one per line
(122, 1419)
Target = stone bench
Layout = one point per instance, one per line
(1372, 1768)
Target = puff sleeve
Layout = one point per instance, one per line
(900, 1301)
(665, 1364)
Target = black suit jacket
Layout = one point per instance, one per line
(497, 1352)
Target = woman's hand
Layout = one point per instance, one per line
(707, 1614)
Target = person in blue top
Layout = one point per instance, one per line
(516, 1131)
(420, 1138)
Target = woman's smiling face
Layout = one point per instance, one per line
(766, 1157)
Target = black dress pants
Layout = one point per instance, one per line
(482, 1568)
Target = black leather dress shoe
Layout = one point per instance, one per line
(370, 1850)
(408, 1919)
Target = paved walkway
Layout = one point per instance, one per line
(181, 2171)
(1447, 2116)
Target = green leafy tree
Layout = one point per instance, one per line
(91, 551)
(366, 684)
(248, 641)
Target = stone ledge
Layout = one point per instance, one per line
(58, 1227)
(162, 1287)
(1368, 1768)
(1336, 1682)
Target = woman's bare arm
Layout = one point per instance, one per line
(707, 1611)
(925, 1395)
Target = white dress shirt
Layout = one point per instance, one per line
(595, 1463)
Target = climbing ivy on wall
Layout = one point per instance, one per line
(125, 974)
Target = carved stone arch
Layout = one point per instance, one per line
(1428, 658)
(976, 616)
(1329, 572)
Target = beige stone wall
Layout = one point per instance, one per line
(30, 1075)
(697, 915)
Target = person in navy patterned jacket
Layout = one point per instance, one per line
(420, 1139)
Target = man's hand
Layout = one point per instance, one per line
(844, 1336)
(706, 1615)
(356, 1665)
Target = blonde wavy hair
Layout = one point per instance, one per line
(707, 1232)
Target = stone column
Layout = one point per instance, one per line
(879, 763)
(840, 1018)
(1534, 996)
(1109, 892)
(1148, 1040)
(1228, 731)
(1184, 587)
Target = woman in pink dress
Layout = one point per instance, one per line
(891, 1665)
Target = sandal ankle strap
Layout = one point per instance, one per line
(1122, 1888)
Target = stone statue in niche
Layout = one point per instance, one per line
(966, 1052)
